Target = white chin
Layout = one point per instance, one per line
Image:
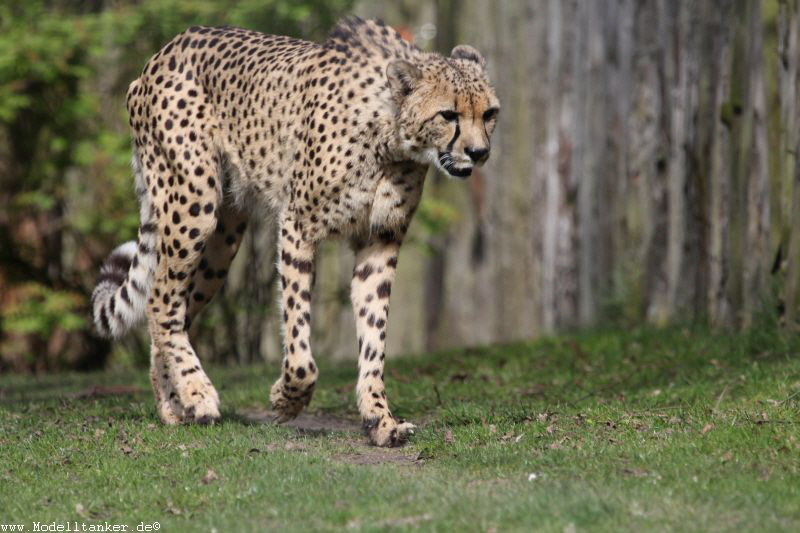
(431, 157)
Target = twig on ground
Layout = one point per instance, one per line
(719, 398)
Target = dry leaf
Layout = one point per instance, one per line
(492, 428)
(209, 477)
(727, 456)
(127, 450)
(448, 436)
(706, 428)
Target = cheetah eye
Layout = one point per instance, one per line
(449, 115)
(490, 114)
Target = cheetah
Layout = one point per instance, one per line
(334, 140)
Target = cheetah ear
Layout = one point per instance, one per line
(465, 51)
(403, 77)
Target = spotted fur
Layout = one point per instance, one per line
(335, 138)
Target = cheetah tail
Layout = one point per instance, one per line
(119, 299)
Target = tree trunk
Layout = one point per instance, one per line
(676, 68)
(719, 305)
(757, 252)
(788, 80)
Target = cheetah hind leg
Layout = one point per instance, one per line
(219, 251)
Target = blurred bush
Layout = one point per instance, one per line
(66, 193)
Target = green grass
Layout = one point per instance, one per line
(665, 430)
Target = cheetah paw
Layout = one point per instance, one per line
(287, 407)
(389, 432)
(169, 411)
(200, 404)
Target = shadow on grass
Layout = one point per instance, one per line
(306, 423)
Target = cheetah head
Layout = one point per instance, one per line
(446, 110)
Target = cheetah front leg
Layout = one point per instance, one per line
(373, 275)
(293, 390)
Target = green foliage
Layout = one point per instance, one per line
(38, 48)
(41, 310)
(434, 217)
(435, 214)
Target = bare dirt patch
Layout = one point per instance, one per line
(359, 452)
(371, 455)
(316, 423)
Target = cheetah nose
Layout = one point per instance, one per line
(477, 154)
